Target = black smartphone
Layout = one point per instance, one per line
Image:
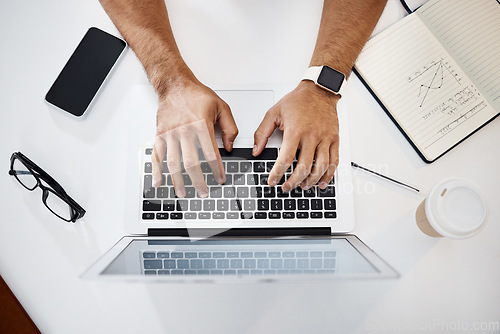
(86, 70)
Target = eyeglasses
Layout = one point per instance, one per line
(53, 195)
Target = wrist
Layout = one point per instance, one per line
(317, 92)
(168, 76)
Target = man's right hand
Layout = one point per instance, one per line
(187, 113)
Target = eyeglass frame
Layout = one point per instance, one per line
(54, 187)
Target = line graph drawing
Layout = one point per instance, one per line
(433, 77)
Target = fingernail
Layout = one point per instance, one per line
(305, 186)
(231, 145)
(203, 193)
(220, 180)
(254, 149)
(180, 192)
(272, 182)
(285, 188)
(323, 185)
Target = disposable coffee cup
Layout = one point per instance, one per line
(454, 208)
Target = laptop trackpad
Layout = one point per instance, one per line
(248, 108)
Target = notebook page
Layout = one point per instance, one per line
(470, 31)
(423, 88)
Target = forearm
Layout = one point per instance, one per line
(345, 27)
(146, 28)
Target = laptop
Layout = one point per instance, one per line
(244, 230)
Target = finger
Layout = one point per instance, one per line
(192, 161)
(321, 163)
(285, 158)
(264, 131)
(159, 148)
(334, 162)
(227, 125)
(206, 137)
(174, 163)
(304, 165)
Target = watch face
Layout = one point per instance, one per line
(330, 79)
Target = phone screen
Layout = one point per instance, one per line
(85, 71)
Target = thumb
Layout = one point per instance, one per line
(264, 131)
(227, 125)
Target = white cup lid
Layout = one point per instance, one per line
(455, 208)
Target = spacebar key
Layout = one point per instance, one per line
(246, 154)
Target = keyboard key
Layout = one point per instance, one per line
(187, 180)
(270, 165)
(263, 179)
(232, 167)
(302, 215)
(233, 254)
(195, 205)
(249, 205)
(209, 264)
(222, 263)
(205, 255)
(150, 272)
(232, 215)
(190, 215)
(259, 166)
(182, 205)
(327, 192)
(288, 254)
(249, 264)
(205, 167)
(329, 204)
(281, 193)
(182, 264)
(316, 263)
(274, 215)
(229, 192)
(148, 151)
(329, 263)
(204, 215)
(229, 272)
(246, 254)
(176, 215)
(236, 263)
(303, 204)
(148, 167)
(289, 264)
(302, 254)
(242, 192)
(229, 180)
(310, 192)
(297, 192)
(218, 215)
(148, 216)
(190, 192)
(255, 192)
(215, 192)
(256, 272)
(276, 263)
(243, 272)
(246, 215)
(235, 205)
(260, 254)
(163, 272)
(163, 255)
(162, 192)
(149, 255)
(330, 253)
(274, 254)
(239, 179)
(252, 179)
(245, 166)
(331, 214)
(316, 204)
(316, 214)
(209, 205)
(211, 180)
(169, 180)
(269, 192)
(263, 204)
(196, 264)
(276, 204)
(290, 204)
(152, 205)
(162, 215)
(222, 205)
(152, 264)
(260, 215)
(289, 215)
(169, 205)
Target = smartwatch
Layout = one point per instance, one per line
(326, 78)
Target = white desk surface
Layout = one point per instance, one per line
(445, 285)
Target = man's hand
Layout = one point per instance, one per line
(186, 116)
(308, 118)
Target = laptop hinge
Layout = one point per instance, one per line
(240, 232)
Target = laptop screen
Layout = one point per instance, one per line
(256, 258)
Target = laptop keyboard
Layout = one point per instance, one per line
(287, 262)
(245, 194)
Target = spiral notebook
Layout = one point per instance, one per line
(437, 72)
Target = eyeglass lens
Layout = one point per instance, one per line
(23, 175)
(57, 205)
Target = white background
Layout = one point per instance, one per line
(445, 285)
